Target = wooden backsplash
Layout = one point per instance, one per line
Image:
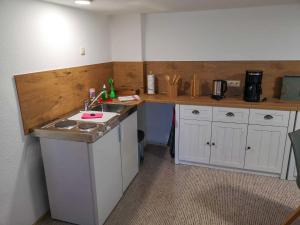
(129, 75)
(207, 71)
(46, 96)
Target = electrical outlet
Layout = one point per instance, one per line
(233, 83)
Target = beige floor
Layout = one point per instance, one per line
(163, 193)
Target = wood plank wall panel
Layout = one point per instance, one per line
(129, 75)
(207, 71)
(45, 96)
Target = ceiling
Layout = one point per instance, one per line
(152, 6)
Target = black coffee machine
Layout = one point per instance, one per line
(253, 88)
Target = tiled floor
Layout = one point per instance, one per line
(164, 193)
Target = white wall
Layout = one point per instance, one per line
(258, 33)
(126, 37)
(36, 36)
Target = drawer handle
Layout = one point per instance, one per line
(268, 117)
(230, 114)
(195, 112)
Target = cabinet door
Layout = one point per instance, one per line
(292, 171)
(297, 127)
(106, 166)
(194, 139)
(67, 171)
(228, 144)
(129, 149)
(265, 148)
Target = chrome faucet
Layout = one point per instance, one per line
(88, 105)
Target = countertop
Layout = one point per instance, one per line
(273, 103)
(89, 137)
(270, 103)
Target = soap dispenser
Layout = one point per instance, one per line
(104, 93)
(112, 93)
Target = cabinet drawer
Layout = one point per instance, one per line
(269, 117)
(196, 112)
(233, 115)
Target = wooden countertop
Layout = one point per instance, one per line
(275, 104)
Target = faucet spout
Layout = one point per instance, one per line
(95, 99)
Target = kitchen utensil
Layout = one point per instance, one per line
(172, 85)
(176, 79)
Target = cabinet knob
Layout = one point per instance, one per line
(230, 114)
(208, 143)
(196, 112)
(268, 117)
(213, 144)
(248, 147)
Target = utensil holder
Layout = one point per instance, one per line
(173, 90)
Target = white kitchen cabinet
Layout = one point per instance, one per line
(228, 144)
(85, 181)
(106, 173)
(265, 148)
(68, 178)
(235, 138)
(129, 149)
(194, 141)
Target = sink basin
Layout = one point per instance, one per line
(117, 108)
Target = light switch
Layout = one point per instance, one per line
(82, 51)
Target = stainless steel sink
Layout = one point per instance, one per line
(117, 108)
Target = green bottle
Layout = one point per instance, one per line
(112, 93)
